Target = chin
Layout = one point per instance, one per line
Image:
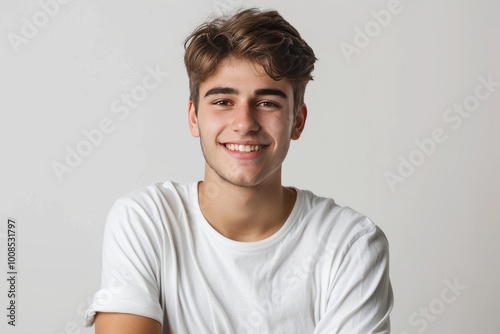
(241, 181)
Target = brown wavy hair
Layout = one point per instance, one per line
(263, 37)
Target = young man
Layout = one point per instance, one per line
(238, 252)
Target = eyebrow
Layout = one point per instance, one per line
(257, 92)
(271, 91)
(221, 90)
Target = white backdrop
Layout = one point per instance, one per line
(403, 126)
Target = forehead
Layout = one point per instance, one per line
(242, 74)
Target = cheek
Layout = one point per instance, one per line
(281, 125)
(210, 127)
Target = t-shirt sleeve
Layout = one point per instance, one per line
(360, 294)
(130, 265)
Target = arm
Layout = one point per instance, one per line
(130, 265)
(360, 297)
(122, 323)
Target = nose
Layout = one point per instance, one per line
(244, 120)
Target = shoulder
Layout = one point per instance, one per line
(337, 224)
(155, 196)
(152, 204)
(156, 191)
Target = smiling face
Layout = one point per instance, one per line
(245, 121)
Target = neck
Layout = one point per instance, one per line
(245, 213)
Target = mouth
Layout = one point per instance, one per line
(244, 148)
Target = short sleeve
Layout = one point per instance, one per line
(130, 265)
(360, 294)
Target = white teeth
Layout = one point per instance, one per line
(244, 148)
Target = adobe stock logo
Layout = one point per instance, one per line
(31, 27)
(226, 6)
(437, 306)
(454, 118)
(121, 108)
(380, 20)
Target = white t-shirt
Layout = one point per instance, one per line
(325, 271)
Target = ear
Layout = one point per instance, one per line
(193, 120)
(300, 122)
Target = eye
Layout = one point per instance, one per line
(221, 103)
(268, 104)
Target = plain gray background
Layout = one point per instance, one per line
(367, 112)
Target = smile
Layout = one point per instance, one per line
(244, 148)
